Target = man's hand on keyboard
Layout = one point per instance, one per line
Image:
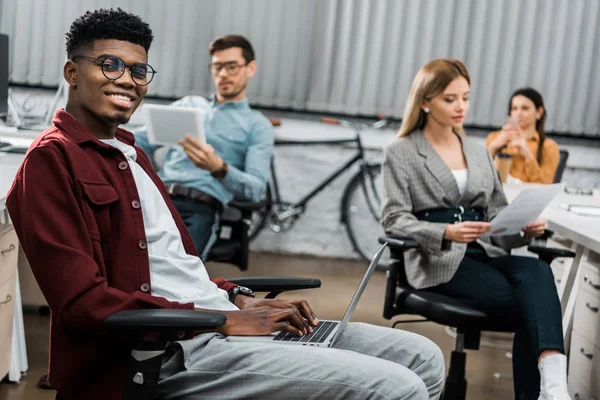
(264, 320)
(244, 302)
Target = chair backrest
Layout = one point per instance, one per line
(232, 245)
(562, 163)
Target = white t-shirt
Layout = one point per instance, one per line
(174, 274)
(461, 176)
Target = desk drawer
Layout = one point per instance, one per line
(558, 267)
(7, 308)
(584, 363)
(9, 249)
(586, 318)
(577, 391)
(590, 278)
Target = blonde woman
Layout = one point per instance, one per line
(441, 188)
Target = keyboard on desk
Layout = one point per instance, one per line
(318, 335)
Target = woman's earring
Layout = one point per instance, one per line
(426, 109)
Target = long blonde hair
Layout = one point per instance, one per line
(430, 81)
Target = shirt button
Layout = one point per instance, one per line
(145, 287)
(123, 165)
(135, 204)
(142, 244)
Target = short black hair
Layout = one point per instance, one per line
(107, 24)
(229, 41)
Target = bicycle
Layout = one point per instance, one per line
(360, 203)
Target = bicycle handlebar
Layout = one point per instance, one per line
(274, 121)
(332, 121)
(382, 122)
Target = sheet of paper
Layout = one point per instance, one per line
(525, 208)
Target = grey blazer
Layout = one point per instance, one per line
(415, 178)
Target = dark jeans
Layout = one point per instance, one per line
(521, 291)
(201, 221)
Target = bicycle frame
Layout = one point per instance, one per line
(330, 178)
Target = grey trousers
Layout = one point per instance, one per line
(368, 362)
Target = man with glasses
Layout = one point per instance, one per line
(234, 163)
(102, 235)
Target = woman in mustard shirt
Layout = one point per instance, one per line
(534, 157)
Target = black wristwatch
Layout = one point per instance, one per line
(242, 290)
(221, 172)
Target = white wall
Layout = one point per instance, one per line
(349, 56)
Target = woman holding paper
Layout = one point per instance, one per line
(523, 138)
(442, 189)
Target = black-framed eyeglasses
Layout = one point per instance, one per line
(232, 68)
(113, 68)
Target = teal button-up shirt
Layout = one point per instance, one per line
(242, 137)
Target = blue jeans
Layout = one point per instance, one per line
(202, 222)
(519, 291)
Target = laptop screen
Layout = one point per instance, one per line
(359, 292)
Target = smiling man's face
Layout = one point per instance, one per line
(98, 103)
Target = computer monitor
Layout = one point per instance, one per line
(3, 75)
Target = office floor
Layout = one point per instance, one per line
(339, 280)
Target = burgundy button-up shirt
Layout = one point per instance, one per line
(73, 206)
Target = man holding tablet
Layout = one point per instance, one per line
(234, 162)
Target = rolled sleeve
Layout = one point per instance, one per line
(250, 184)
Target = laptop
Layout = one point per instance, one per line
(326, 334)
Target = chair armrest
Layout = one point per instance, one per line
(399, 242)
(247, 205)
(276, 284)
(282, 283)
(549, 253)
(164, 320)
(231, 214)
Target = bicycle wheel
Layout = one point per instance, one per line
(361, 205)
(259, 217)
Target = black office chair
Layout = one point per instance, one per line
(401, 298)
(233, 243)
(147, 351)
(562, 164)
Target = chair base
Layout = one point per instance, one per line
(456, 383)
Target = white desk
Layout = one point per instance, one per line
(579, 289)
(580, 294)
(9, 165)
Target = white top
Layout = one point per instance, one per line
(174, 274)
(461, 176)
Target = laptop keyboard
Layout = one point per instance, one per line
(318, 335)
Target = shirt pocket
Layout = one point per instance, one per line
(98, 201)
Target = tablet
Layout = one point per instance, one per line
(167, 125)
